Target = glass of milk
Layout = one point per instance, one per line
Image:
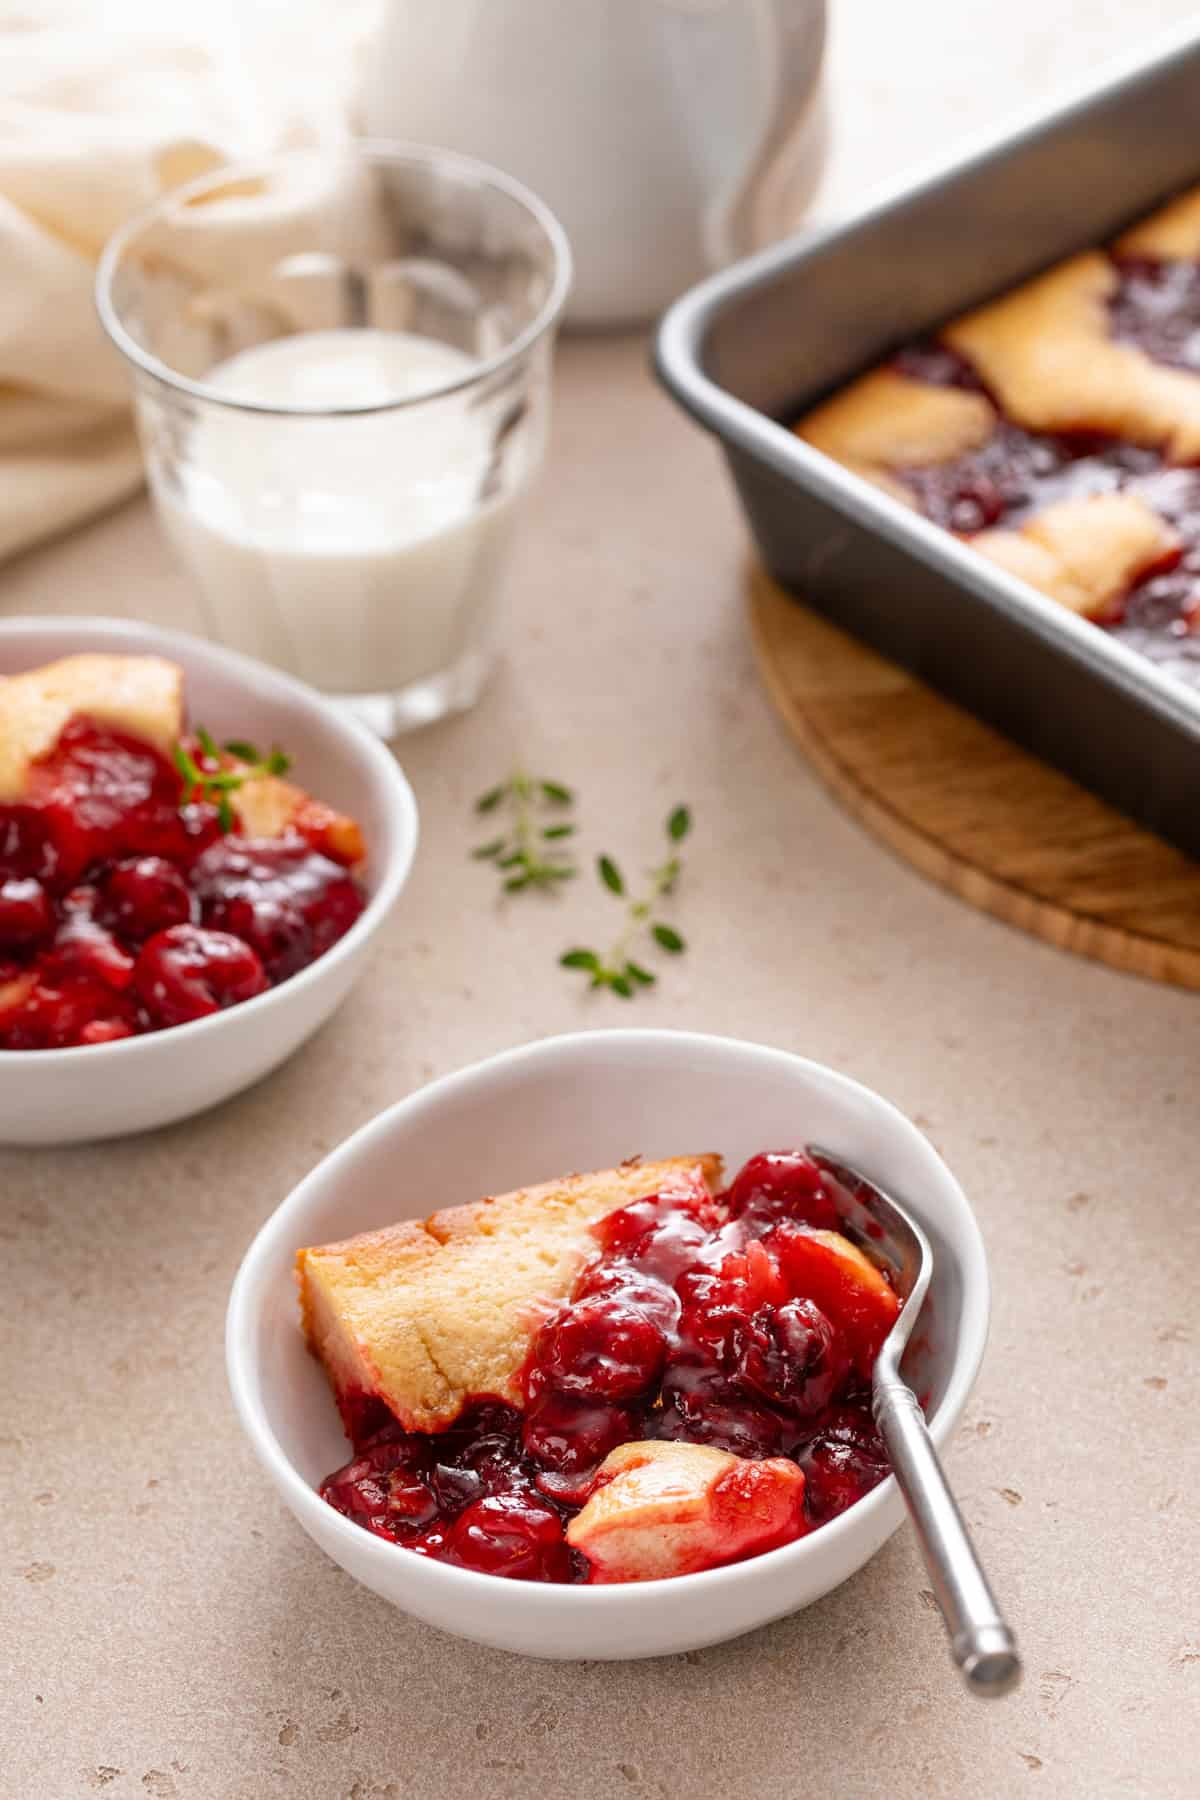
(341, 369)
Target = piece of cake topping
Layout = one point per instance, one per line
(141, 696)
(424, 1315)
(660, 1509)
(1085, 553)
(1173, 232)
(1046, 353)
(886, 421)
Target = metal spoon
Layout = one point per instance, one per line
(980, 1642)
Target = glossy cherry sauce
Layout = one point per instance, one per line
(692, 1323)
(1156, 306)
(124, 910)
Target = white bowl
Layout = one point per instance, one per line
(107, 1090)
(585, 1102)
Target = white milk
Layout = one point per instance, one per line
(355, 552)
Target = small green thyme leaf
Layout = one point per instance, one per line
(610, 875)
(190, 774)
(619, 970)
(216, 785)
(580, 959)
(524, 850)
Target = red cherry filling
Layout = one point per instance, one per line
(783, 1185)
(601, 1347)
(103, 861)
(1156, 305)
(792, 1355)
(145, 894)
(282, 897)
(510, 1534)
(26, 846)
(26, 915)
(382, 1490)
(691, 1323)
(187, 972)
(842, 1461)
(59, 1014)
(82, 947)
(101, 792)
(700, 1407)
(930, 361)
(569, 1438)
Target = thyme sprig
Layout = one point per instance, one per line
(528, 854)
(214, 781)
(617, 969)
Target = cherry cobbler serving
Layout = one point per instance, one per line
(148, 875)
(612, 1377)
(1057, 431)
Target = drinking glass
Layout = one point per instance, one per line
(341, 374)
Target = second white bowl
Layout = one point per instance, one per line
(107, 1090)
(585, 1102)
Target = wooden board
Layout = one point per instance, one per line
(971, 811)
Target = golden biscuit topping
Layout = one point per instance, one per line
(1083, 552)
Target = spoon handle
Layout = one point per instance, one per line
(980, 1642)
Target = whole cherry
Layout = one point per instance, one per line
(843, 1461)
(26, 915)
(793, 1355)
(601, 1346)
(782, 1184)
(572, 1435)
(510, 1534)
(85, 948)
(188, 972)
(142, 895)
(273, 926)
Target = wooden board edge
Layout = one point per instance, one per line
(1132, 952)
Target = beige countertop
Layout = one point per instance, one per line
(172, 1632)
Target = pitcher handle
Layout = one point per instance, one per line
(791, 39)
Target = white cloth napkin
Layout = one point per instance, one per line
(103, 105)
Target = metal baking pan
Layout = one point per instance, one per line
(752, 347)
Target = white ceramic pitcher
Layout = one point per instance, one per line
(644, 124)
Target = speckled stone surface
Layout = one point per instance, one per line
(170, 1632)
